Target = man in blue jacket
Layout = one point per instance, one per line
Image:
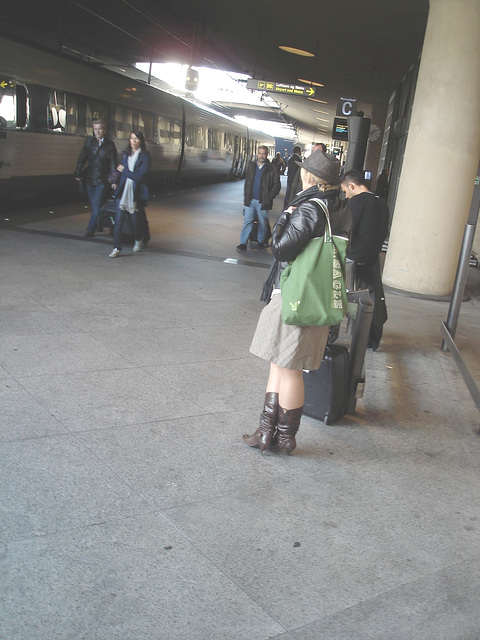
(262, 184)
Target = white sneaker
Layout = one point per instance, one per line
(138, 246)
(115, 253)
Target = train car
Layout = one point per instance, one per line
(48, 103)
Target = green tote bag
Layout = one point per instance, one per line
(313, 285)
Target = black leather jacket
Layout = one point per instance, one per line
(292, 231)
(101, 160)
(269, 185)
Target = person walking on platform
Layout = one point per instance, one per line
(370, 219)
(132, 194)
(288, 348)
(383, 185)
(262, 185)
(292, 170)
(100, 155)
(279, 163)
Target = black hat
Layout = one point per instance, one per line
(323, 165)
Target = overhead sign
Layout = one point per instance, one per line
(347, 107)
(278, 87)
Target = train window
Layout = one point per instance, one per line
(123, 123)
(62, 112)
(168, 131)
(163, 129)
(13, 105)
(7, 105)
(22, 104)
(229, 142)
(195, 136)
(71, 125)
(175, 131)
(145, 125)
(190, 135)
(214, 139)
(95, 111)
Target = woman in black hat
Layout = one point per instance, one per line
(288, 348)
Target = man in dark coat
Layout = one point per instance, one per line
(101, 155)
(292, 170)
(262, 184)
(382, 185)
(370, 219)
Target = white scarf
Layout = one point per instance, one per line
(126, 201)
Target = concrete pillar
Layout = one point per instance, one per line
(441, 155)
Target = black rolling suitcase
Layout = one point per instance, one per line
(332, 390)
(253, 237)
(326, 388)
(106, 216)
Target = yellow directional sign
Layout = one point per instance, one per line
(278, 87)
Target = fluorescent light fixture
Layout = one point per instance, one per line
(315, 84)
(297, 52)
(319, 111)
(317, 100)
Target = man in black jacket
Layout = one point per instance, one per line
(262, 184)
(370, 219)
(101, 155)
(292, 172)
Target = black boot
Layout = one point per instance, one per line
(268, 419)
(287, 427)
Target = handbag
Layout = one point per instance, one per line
(313, 285)
(109, 205)
(114, 177)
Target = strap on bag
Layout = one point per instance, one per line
(323, 206)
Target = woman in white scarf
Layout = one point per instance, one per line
(132, 193)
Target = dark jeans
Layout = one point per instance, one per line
(136, 220)
(96, 195)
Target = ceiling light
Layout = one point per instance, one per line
(317, 100)
(319, 111)
(297, 52)
(322, 119)
(315, 84)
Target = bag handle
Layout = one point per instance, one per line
(323, 206)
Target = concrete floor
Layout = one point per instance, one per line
(131, 510)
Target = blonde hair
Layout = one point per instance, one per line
(327, 187)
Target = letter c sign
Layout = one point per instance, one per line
(347, 107)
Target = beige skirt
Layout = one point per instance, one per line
(285, 345)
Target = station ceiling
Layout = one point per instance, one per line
(360, 49)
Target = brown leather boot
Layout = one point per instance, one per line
(287, 427)
(268, 419)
